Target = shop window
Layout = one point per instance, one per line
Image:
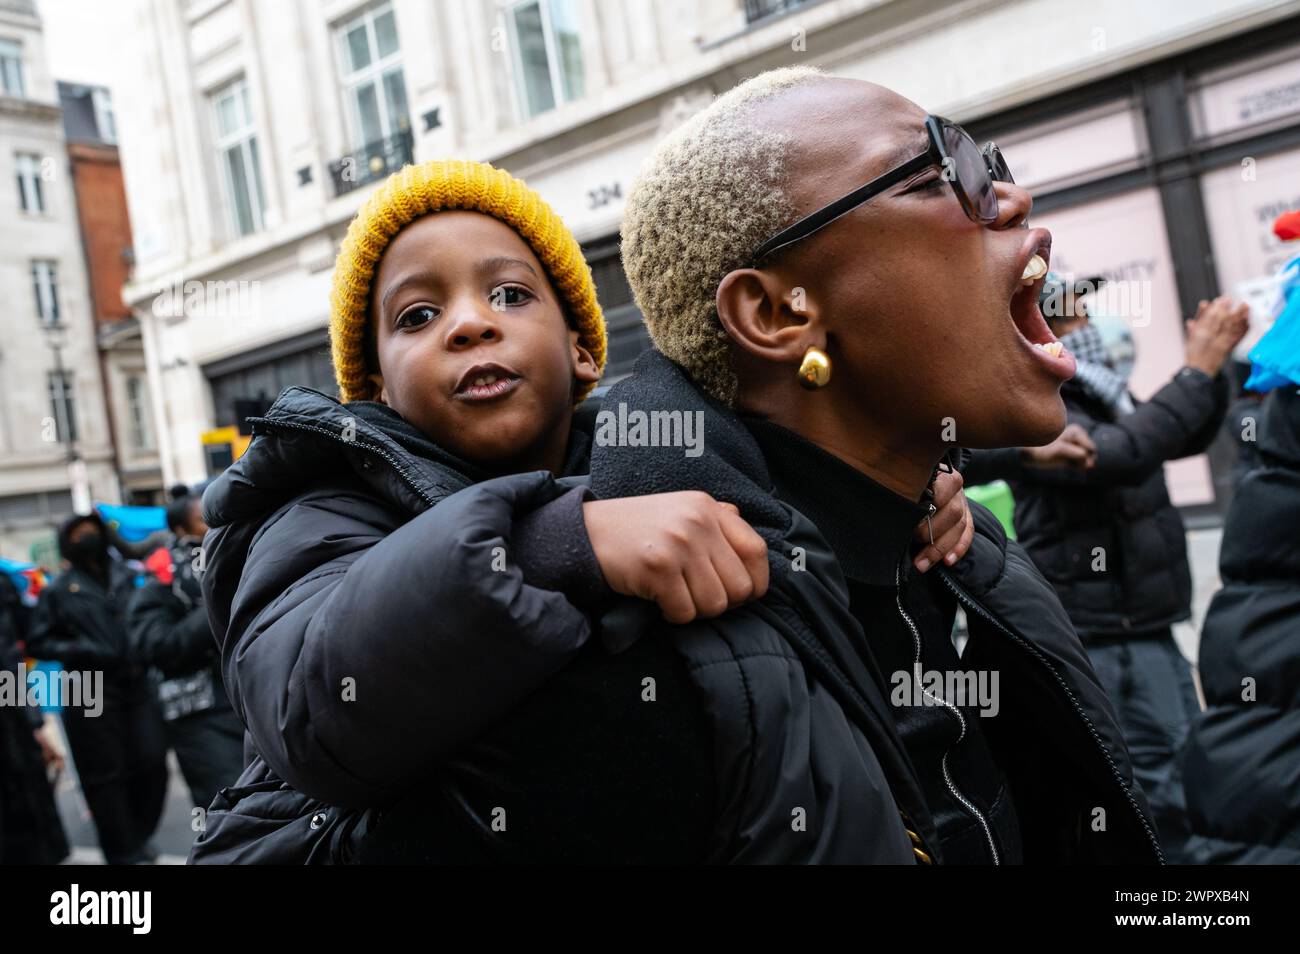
(1075, 148)
(1247, 98)
(1141, 291)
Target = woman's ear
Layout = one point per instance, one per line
(377, 392)
(585, 370)
(766, 317)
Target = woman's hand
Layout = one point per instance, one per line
(685, 551)
(952, 525)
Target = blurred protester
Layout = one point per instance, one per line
(31, 832)
(1241, 424)
(1243, 756)
(169, 631)
(117, 747)
(1103, 530)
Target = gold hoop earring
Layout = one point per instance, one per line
(815, 370)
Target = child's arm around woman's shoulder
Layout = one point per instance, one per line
(360, 646)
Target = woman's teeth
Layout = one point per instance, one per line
(1035, 270)
(1054, 348)
(484, 379)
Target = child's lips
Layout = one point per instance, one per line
(489, 390)
(483, 374)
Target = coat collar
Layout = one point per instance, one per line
(868, 526)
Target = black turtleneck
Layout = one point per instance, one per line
(870, 528)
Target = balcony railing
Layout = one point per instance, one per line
(371, 162)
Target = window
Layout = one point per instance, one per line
(11, 68)
(236, 141)
(370, 63)
(547, 53)
(35, 509)
(1078, 147)
(31, 195)
(45, 282)
(105, 122)
(1141, 293)
(762, 9)
(137, 396)
(1247, 255)
(63, 406)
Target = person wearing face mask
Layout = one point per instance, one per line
(168, 627)
(116, 740)
(1104, 532)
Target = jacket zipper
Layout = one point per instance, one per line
(378, 451)
(969, 602)
(961, 720)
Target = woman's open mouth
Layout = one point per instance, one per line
(1028, 317)
(486, 382)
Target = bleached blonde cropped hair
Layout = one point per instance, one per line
(709, 194)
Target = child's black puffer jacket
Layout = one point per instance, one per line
(365, 632)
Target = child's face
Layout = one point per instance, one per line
(459, 300)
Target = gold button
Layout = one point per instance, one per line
(925, 859)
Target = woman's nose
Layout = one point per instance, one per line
(1014, 204)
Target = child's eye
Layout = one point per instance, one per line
(510, 295)
(417, 317)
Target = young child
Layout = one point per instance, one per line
(388, 576)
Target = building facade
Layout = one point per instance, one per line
(252, 131)
(56, 453)
(90, 130)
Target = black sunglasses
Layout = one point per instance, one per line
(970, 170)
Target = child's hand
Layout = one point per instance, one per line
(952, 524)
(685, 551)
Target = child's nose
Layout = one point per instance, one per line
(469, 327)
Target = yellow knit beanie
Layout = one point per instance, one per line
(418, 190)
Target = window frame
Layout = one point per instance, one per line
(50, 268)
(34, 161)
(101, 102)
(18, 67)
(373, 74)
(554, 69)
(244, 139)
(63, 406)
(137, 406)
